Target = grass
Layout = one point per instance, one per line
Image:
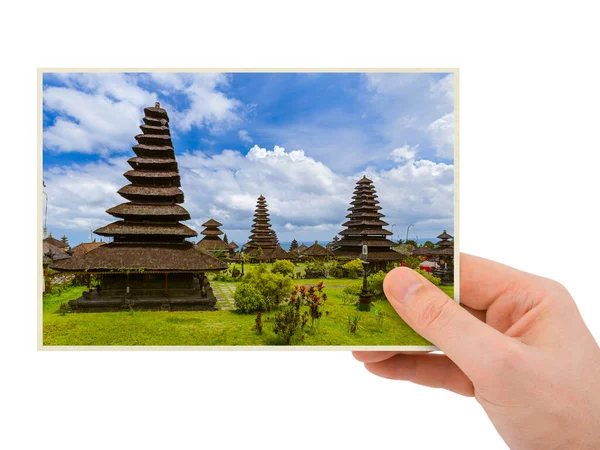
(222, 327)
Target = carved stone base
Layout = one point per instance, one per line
(92, 302)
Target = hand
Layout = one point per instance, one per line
(517, 344)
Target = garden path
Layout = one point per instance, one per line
(224, 294)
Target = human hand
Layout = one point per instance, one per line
(517, 343)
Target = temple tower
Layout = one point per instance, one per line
(366, 227)
(211, 241)
(149, 264)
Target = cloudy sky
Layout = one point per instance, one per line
(300, 139)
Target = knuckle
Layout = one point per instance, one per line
(510, 355)
(434, 312)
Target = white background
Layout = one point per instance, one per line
(529, 198)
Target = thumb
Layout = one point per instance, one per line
(435, 316)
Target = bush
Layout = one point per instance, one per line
(354, 268)
(412, 261)
(283, 267)
(227, 276)
(350, 294)
(288, 322)
(315, 269)
(336, 271)
(434, 280)
(375, 284)
(274, 287)
(248, 299)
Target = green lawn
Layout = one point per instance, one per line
(221, 327)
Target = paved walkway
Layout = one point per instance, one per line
(224, 293)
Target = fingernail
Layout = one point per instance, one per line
(403, 285)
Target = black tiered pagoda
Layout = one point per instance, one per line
(149, 264)
(365, 227)
(263, 236)
(211, 241)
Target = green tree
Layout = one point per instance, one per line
(353, 267)
(412, 261)
(283, 267)
(225, 238)
(274, 287)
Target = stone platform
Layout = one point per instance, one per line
(94, 302)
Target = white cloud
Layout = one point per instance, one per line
(98, 112)
(442, 136)
(404, 153)
(306, 199)
(244, 136)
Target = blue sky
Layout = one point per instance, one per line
(300, 139)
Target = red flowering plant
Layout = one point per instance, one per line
(314, 298)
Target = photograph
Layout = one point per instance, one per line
(243, 208)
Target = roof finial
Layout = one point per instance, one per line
(157, 105)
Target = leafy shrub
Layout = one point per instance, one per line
(283, 267)
(412, 261)
(248, 299)
(274, 287)
(434, 280)
(288, 322)
(336, 271)
(227, 276)
(235, 272)
(375, 284)
(350, 294)
(390, 266)
(353, 268)
(315, 269)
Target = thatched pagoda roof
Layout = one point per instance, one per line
(365, 227)
(156, 258)
(212, 223)
(211, 243)
(56, 242)
(425, 251)
(53, 253)
(317, 250)
(122, 227)
(262, 235)
(301, 248)
(85, 247)
(168, 212)
(275, 253)
(149, 236)
(232, 245)
(444, 235)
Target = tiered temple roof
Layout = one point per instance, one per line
(445, 247)
(365, 227)
(334, 243)
(445, 241)
(148, 235)
(263, 236)
(211, 240)
(56, 242)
